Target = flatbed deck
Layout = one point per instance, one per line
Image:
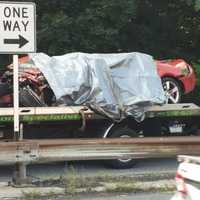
(30, 114)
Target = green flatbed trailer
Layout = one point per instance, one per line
(81, 122)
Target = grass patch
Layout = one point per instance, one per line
(35, 195)
(73, 183)
(121, 184)
(124, 187)
(70, 181)
(121, 187)
(31, 195)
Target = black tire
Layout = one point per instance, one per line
(120, 163)
(173, 90)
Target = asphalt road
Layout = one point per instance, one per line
(148, 196)
(92, 168)
(131, 196)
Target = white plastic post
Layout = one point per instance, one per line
(16, 95)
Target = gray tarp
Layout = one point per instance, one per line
(116, 85)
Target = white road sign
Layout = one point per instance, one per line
(17, 27)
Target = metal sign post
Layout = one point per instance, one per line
(16, 96)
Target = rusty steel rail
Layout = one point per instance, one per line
(43, 151)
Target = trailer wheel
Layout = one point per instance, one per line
(122, 132)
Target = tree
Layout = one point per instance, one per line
(164, 29)
(89, 26)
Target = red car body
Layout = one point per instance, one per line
(179, 70)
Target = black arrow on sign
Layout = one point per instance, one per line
(21, 41)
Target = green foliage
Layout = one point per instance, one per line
(90, 26)
(164, 29)
(195, 95)
(4, 60)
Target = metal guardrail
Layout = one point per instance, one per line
(25, 152)
(42, 151)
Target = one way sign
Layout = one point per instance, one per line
(17, 27)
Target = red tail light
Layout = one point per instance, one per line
(180, 184)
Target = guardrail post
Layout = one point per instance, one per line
(20, 171)
(19, 177)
